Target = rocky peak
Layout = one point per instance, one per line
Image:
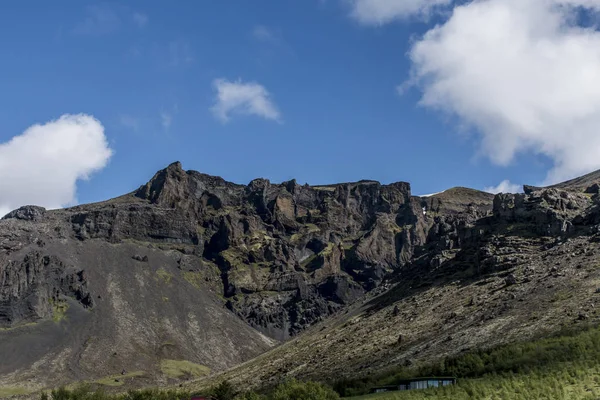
(27, 213)
(167, 187)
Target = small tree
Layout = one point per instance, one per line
(224, 391)
(295, 390)
(250, 396)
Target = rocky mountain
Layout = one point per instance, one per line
(530, 268)
(191, 274)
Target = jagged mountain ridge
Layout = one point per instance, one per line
(529, 269)
(139, 274)
(185, 266)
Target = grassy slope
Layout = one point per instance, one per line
(562, 367)
(571, 382)
(454, 312)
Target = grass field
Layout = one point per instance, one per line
(562, 367)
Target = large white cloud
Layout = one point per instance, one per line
(523, 74)
(42, 165)
(378, 12)
(243, 98)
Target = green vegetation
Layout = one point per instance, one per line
(292, 390)
(59, 309)
(193, 278)
(12, 328)
(224, 391)
(295, 390)
(568, 384)
(84, 393)
(8, 391)
(566, 366)
(118, 380)
(164, 275)
(179, 368)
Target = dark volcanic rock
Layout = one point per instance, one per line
(288, 255)
(27, 213)
(150, 267)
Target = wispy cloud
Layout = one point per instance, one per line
(130, 122)
(243, 99)
(99, 20)
(166, 119)
(271, 41)
(140, 19)
(379, 12)
(264, 34)
(504, 187)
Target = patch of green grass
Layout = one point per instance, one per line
(118, 380)
(327, 250)
(164, 275)
(194, 278)
(561, 296)
(179, 368)
(9, 391)
(12, 328)
(59, 309)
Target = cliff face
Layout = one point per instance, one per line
(474, 280)
(187, 265)
(290, 254)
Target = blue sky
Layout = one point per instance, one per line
(147, 72)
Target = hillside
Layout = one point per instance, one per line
(529, 269)
(190, 275)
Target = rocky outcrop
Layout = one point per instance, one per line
(27, 213)
(32, 288)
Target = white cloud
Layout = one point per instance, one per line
(264, 34)
(523, 74)
(504, 187)
(99, 20)
(244, 99)
(141, 20)
(379, 12)
(43, 164)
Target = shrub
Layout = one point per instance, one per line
(224, 391)
(250, 396)
(295, 390)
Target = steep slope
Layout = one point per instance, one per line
(530, 269)
(187, 265)
(74, 310)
